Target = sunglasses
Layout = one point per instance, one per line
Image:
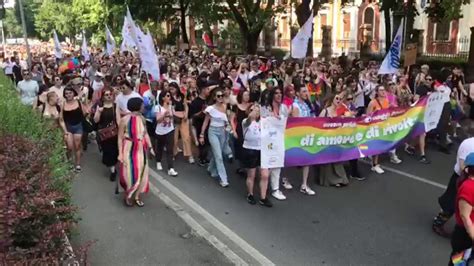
(219, 95)
(107, 94)
(350, 99)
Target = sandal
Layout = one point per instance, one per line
(127, 203)
(139, 203)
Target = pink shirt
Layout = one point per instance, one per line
(392, 99)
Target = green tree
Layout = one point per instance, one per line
(30, 8)
(11, 26)
(252, 16)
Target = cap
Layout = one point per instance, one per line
(469, 161)
(98, 74)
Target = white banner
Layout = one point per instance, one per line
(57, 46)
(434, 107)
(273, 142)
(391, 62)
(299, 44)
(110, 42)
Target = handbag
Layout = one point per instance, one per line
(108, 132)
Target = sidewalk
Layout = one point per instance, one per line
(152, 235)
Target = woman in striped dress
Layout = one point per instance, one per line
(134, 143)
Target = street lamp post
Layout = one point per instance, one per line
(25, 35)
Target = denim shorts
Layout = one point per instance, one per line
(75, 129)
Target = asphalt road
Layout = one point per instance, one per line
(385, 220)
(153, 235)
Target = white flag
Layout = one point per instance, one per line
(110, 42)
(85, 49)
(299, 44)
(148, 57)
(57, 46)
(391, 62)
(128, 33)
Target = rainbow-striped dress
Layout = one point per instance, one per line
(134, 169)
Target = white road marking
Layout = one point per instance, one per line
(197, 228)
(254, 253)
(411, 176)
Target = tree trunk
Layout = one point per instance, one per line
(388, 29)
(251, 42)
(184, 35)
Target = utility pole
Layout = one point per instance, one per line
(25, 34)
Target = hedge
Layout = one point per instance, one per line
(35, 174)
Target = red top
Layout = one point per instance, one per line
(142, 88)
(465, 192)
(342, 109)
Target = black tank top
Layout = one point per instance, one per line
(73, 117)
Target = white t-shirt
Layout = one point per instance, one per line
(466, 147)
(252, 136)
(122, 100)
(266, 111)
(8, 66)
(166, 125)
(218, 118)
(28, 90)
(244, 77)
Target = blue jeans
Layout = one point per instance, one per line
(218, 141)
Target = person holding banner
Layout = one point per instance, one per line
(332, 174)
(251, 156)
(301, 108)
(380, 102)
(274, 107)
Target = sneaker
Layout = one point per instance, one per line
(265, 202)
(277, 194)
(230, 158)
(159, 167)
(224, 184)
(377, 169)
(439, 229)
(179, 150)
(394, 159)
(172, 172)
(410, 150)
(78, 168)
(203, 163)
(251, 200)
(424, 160)
(358, 178)
(191, 160)
(286, 184)
(307, 190)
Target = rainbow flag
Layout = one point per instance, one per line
(321, 140)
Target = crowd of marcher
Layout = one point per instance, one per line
(209, 108)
